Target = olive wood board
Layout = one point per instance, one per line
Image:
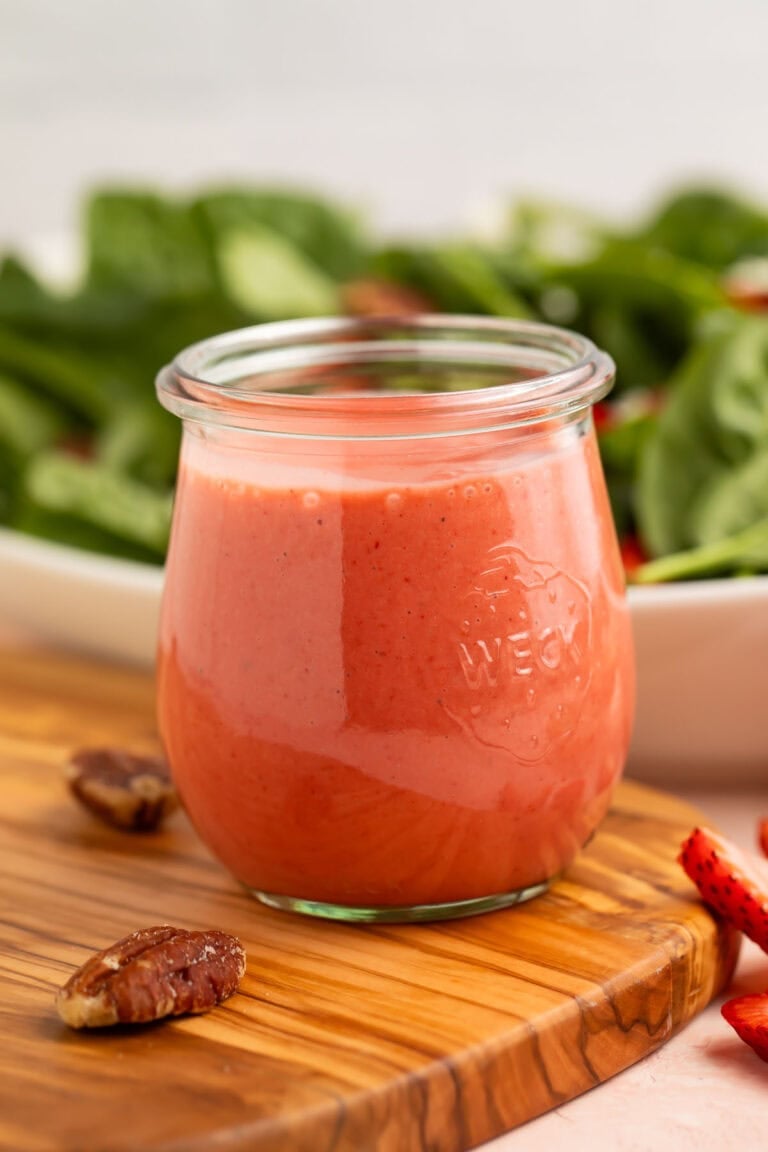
(343, 1038)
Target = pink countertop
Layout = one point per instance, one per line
(702, 1091)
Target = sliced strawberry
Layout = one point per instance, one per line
(729, 881)
(632, 554)
(602, 415)
(762, 836)
(375, 297)
(749, 1016)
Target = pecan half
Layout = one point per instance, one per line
(152, 973)
(123, 789)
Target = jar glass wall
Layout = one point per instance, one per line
(395, 668)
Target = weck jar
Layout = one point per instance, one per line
(395, 672)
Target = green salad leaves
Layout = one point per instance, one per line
(88, 457)
(703, 476)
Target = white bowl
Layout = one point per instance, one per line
(78, 600)
(702, 651)
(702, 690)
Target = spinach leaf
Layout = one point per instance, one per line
(475, 273)
(62, 373)
(546, 232)
(28, 421)
(140, 440)
(696, 478)
(738, 499)
(457, 277)
(75, 532)
(271, 279)
(642, 306)
(622, 443)
(330, 237)
(98, 497)
(149, 244)
(744, 553)
(712, 227)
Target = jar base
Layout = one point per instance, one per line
(399, 914)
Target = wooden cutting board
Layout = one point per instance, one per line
(343, 1038)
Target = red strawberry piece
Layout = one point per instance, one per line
(632, 554)
(762, 836)
(602, 414)
(749, 1016)
(729, 881)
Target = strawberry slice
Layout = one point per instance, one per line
(603, 417)
(729, 881)
(749, 1016)
(632, 554)
(762, 836)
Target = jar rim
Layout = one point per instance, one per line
(248, 378)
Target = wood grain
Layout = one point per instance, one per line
(343, 1038)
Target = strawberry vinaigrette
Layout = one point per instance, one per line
(395, 673)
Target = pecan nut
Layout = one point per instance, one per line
(121, 788)
(152, 973)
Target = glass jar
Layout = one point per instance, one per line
(395, 665)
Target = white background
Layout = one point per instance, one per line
(420, 110)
